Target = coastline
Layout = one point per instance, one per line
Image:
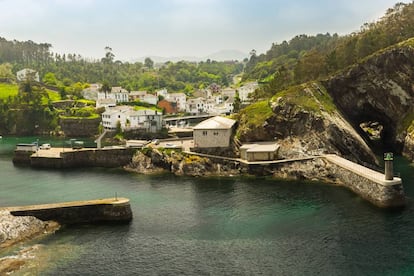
(15, 230)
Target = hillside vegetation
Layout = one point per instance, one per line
(307, 58)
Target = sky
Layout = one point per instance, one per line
(171, 28)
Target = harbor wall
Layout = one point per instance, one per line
(107, 158)
(385, 194)
(373, 188)
(99, 211)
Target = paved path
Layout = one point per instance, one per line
(361, 170)
(112, 201)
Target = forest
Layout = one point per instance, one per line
(69, 72)
(306, 58)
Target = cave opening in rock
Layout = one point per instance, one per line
(380, 136)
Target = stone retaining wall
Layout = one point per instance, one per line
(381, 195)
(107, 158)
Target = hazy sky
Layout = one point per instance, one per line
(137, 28)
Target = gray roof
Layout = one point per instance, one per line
(261, 147)
(217, 122)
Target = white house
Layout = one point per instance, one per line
(27, 74)
(130, 119)
(107, 103)
(121, 94)
(146, 119)
(228, 93)
(137, 95)
(215, 132)
(246, 90)
(210, 106)
(179, 98)
(195, 106)
(151, 99)
(162, 92)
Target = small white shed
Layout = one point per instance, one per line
(260, 151)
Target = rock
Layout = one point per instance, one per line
(310, 130)
(379, 89)
(15, 229)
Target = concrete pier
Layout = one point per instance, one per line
(109, 210)
(367, 183)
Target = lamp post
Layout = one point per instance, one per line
(389, 168)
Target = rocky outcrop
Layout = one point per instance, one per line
(379, 89)
(311, 128)
(408, 150)
(151, 161)
(15, 229)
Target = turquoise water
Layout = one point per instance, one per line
(216, 226)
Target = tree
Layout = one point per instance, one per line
(106, 88)
(109, 56)
(6, 72)
(237, 102)
(149, 63)
(50, 78)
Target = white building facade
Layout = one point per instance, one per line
(215, 132)
(129, 119)
(179, 98)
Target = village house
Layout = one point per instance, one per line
(215, 132)
(119, 94)
(129, 119)
(151, 99)
(168, 107)
(246, 90)
(259, 151)
(179, 98)
(228, 93)
(210, 106)
(137, 95)
(195, 106)
(203, 93)
(162, 92)
(27, 74)
(106, 103)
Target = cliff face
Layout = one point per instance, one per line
(156, 161)
(304, 122)
(379, 89)
(368, 106)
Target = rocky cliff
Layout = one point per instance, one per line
(149, 161)
(379, 89)
(366, 107)
(304, 121)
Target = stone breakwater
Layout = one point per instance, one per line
(110, 210)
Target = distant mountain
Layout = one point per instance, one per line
(223, 55)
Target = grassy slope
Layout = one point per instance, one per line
(8, 90)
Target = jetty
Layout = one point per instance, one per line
(108, 210)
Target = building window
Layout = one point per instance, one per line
(215, 133)
(204, 133)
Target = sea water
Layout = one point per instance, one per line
(214, 226)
